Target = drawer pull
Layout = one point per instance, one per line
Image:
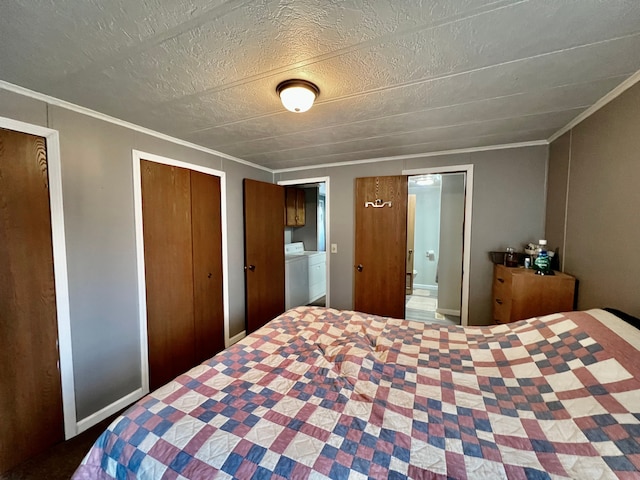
(501, 280)
(498, 301)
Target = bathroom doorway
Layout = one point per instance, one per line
(435, 247)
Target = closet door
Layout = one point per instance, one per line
(381, 243)
(207, 265)
(30, 390)
(166, 213)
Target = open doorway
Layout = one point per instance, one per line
(306, 238)
(435, 247)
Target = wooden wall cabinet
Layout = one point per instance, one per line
(294, 207)
(519, 293)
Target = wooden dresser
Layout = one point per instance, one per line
(519, 293)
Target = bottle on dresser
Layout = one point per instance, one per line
(542, 262)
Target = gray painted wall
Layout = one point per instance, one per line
(557, 194)
(508, 210)
(427, 233)
(99, 227)
(600, 156)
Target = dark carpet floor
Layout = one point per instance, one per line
(61, 460)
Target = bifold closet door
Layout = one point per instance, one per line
(182, 225)
(206, 220)
(31, 417)
(168, 259)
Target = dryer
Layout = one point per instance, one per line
(314, 281)
(296, 277)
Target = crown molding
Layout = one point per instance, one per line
(122, 123)
(535, 143)
(107, 118)
(609, 97)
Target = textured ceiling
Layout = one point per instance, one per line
(396, 77)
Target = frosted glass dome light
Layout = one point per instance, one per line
(297, 96)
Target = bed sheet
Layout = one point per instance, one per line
(321, 393)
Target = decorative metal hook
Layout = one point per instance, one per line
(378, 204)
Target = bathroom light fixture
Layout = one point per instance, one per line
(424, 181)
(297, 95)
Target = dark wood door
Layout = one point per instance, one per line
(166, 213)
(31, 418)
(207, 265)
(264, 252)
(381, 242)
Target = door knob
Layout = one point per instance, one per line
(250, 267)
(359, 267)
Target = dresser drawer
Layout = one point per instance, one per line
(519, 293)
(502, 284)
(501, 297)
(502, 310)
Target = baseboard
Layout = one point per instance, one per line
(447, 311)
(236, 338)
(106, 412)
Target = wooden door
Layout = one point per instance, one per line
(166, 213)
(264, 252)
(207, 265)
(31, 418)
(381, 242)
(411, 227)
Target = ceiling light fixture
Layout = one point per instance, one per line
(297, 96)
(425, 181)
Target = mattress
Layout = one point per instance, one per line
(321, 393)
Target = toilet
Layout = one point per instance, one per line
(411, 278)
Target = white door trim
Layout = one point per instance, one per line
(466, 254)
(142, 288)
(59, 265)
(327, 222)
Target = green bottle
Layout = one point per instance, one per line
(542, 263)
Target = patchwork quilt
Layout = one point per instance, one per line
(321, 393)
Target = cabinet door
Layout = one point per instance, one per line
(294, 207)
(537, 295)
(290, 206)
(300, 207)
(559, 294)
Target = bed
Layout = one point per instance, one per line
(322, 393)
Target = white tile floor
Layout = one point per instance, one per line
(421, 306)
